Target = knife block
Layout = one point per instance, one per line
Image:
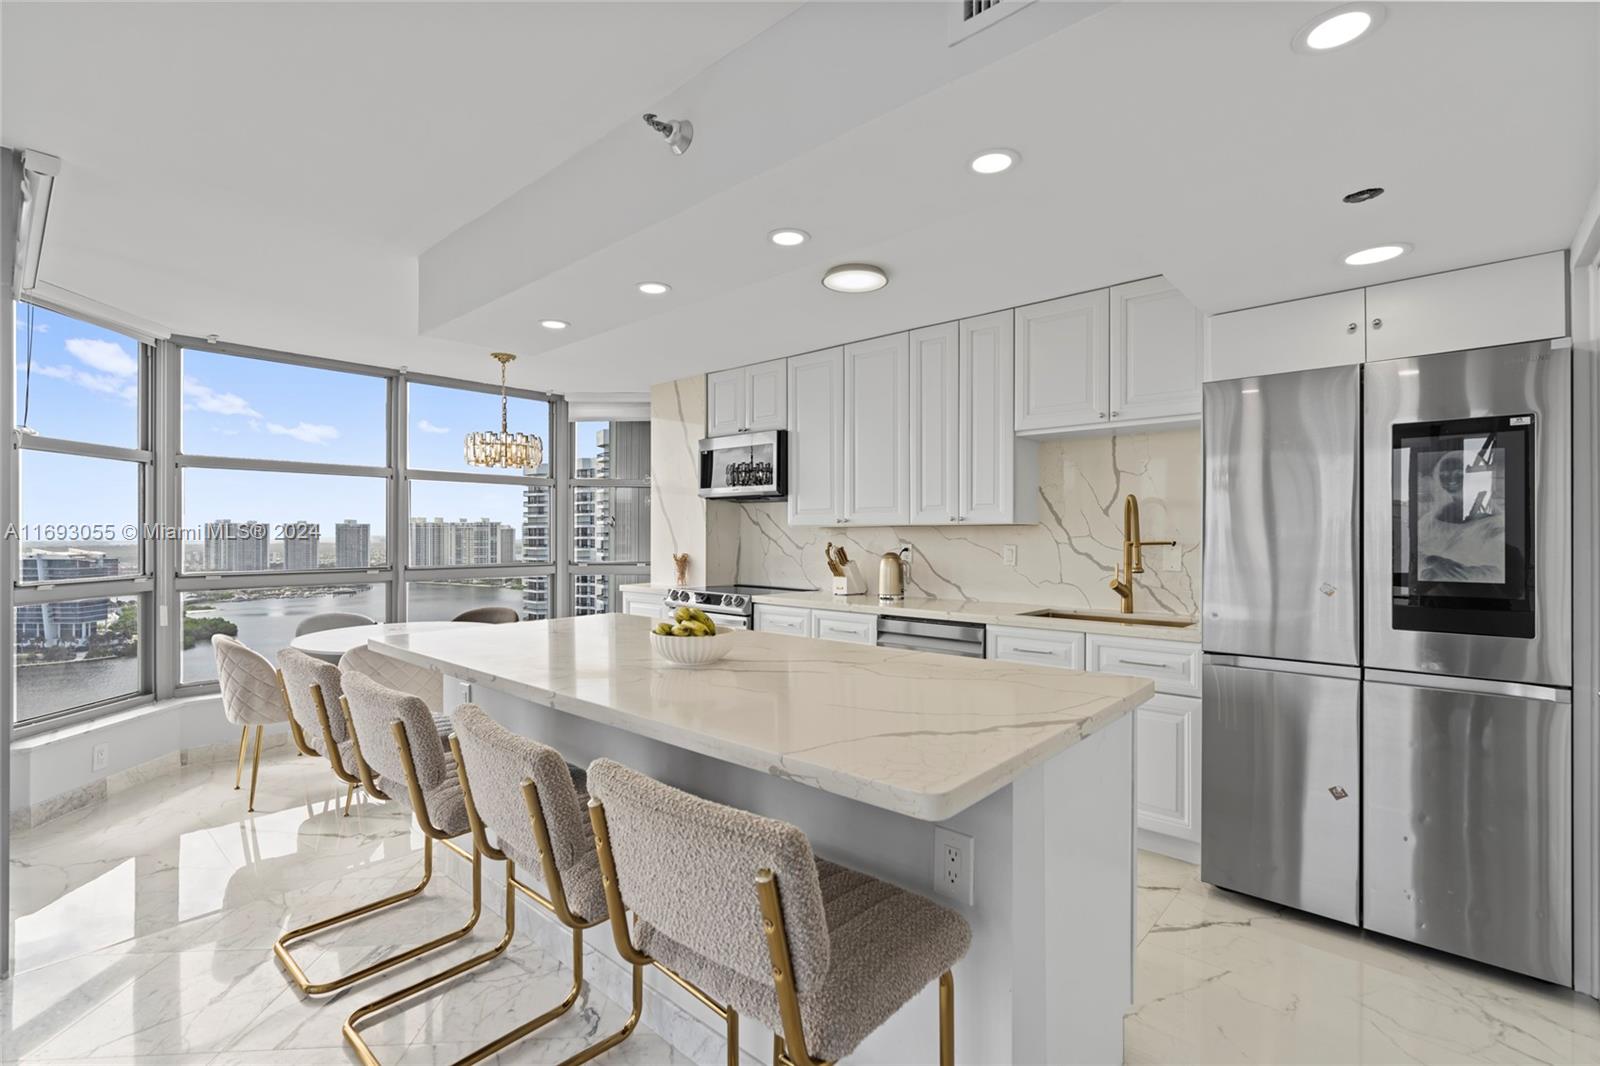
(851, 584)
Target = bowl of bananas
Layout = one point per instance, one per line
(690, 638)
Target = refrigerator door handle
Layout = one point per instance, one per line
(1440, 682)
(1284, 666)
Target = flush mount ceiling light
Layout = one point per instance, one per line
(788, 238)
(654, 288)
(554, 323)
(994, 161)
(505, 449)
(1338, 27)
(855, 277)
(1379, 254)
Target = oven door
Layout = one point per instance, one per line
(1468, 514)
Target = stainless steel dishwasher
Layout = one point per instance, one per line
(922, 634)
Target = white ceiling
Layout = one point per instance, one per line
(415, 184)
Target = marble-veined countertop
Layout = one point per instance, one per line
(921, 734)
(987, 613)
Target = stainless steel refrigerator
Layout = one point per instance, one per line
(1387, 728)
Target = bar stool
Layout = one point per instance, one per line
(532, 800)
(420, 681)
(737, 909)
(319, 623)
(308, 684)
(498, 616)
(395, 745)
(251, 696)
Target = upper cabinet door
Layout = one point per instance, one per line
(877, 439)
(725, 402)
(988, 444)
(1479, 307)
(1062, 352)
(1157, 344)
(816, 438)
(1298, 335)
(935, 413)
(766, 386)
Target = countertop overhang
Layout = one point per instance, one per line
(920, 734)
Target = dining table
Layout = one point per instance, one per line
(330, 644)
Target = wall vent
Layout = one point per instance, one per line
(969, 16)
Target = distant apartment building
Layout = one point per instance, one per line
(68, 621)
(302, 541)
(465, 542)
(352, 544)
(536, 549)
(609, 524)
(236, 546)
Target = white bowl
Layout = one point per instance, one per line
(692, 651)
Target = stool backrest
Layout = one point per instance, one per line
(249, 683)
(688, 866)
(300, 672)
(373, 710)
(317, 623)
(492, 615)
(413, 680)
(497, 762)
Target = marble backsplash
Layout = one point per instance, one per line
(1065, 560)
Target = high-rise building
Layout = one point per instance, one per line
(465, 542)
(536, 549)
(302, 541)
(236, 546)
(66, 621)
(352, 544)
(433, 542)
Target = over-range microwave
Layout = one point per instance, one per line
(745, 466)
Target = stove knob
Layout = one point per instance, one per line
(737, 601)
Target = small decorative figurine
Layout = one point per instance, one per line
(681, 561)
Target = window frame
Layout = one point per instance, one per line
(640, 568)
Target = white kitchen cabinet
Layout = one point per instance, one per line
(1298, 335)
(1479, 307)
(1041, 647)
(1063, 362)
(650, 603)
(877, 437)
(935, 412)
(1167, 771)
(848, 626)
(1157, 351)
(816, 438)
(747, 398)
(774, 618)
(1174, 665)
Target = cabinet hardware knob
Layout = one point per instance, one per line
(1377, 323)
(1352, 327)
(1102, 414)
(1113, 414)
(952, 518)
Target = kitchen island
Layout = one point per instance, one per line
(868, 749)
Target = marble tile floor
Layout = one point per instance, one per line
(142, 931)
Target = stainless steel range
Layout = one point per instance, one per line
(730, 606)
(1387, 722)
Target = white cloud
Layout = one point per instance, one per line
(104, 356)
(428, 427)
(111, 386)
(308, 432)
(207, 399)
(41, 327)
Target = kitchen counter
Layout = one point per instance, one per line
(984, 612)
(923, 735)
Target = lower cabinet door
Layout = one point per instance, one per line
(1168, 769)
(796, 621)
(848, 626)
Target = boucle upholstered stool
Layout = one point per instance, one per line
(395, 744)
(309, 685)
(736, 908)
(251, 696)
(532, 801)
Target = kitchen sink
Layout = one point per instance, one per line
(1112, 616)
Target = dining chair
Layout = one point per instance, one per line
(423, 682)
(310, 685)
(251, 696)
(395, 745)
(533, 802)
(332, 620)
(493, 615)
(737, 909)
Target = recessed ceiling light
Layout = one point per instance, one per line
(1380, 254)
(788, 238)
(653, 288)
(994, 161)
(554, 323)
(1338, 27)
(855, 277)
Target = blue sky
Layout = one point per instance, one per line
(83, 387)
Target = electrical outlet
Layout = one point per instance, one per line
(101, 757)
(952, 865)
(1008, 554)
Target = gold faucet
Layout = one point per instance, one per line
(1132, 553)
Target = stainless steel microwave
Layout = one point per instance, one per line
(745, 466)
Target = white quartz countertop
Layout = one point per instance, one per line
(921, 734)
(987, 613)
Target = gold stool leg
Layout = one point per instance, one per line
(349, 794)
(621, 1034)
(238, 774)
(947, 1019)
(255, 770)
(733, 1037)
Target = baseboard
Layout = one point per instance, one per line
(1172, 847)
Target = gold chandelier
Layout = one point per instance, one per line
(505, 448)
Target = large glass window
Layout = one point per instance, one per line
(609, 511)
(456, 523)
(240, 521)
(264, 618)
(79, 517)
(440, 417)
(443, 598)
(76, 380)
(76, 653)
